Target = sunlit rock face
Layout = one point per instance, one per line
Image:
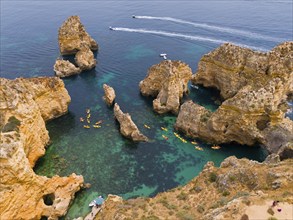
(25, 105)
(110, 95)
(167, 81)
(127, 127)
(254, 87)
(238, 189)
(72, 37)
(63, 68)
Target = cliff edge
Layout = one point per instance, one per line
(25, 105)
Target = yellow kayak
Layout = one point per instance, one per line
(146, 126)
(86, 126)
(88, 111)
(98, 122)
(165, 137)
(97, 126)
(164, 129)
(216, 147)
(193, 142)
(198, 148)
(88, 116)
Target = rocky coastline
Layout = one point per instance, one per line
(254, 87)
(25, 106)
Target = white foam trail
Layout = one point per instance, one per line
(189, 37)
(215, 28)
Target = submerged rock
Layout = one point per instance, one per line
(254, 87)
(127, 127)
(168, 82)
(25, 105)
(109, 94)
(73, 37)
(63, 68)
(85, 59)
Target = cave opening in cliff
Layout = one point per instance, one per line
(49, 199)
(44, 218)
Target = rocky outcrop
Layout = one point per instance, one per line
(238, 187)
(127, 127)
(254, 87)
(85, 59)
(168, 82)
(109, 94)
(72, 37)
(63, 68)
(25, 105)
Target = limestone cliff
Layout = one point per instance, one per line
(73, 36)
(254, 87)
(168, 82)
(127, 127)
(25, 105)
(239, 189)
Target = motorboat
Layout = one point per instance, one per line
(164, 55)
(194, 86)
(112, 29)
(133, 16)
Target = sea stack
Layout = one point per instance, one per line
(109, 94)
(167, 81)
(25, 105)
(127, 127)
(254, 86)
(74, 40)
(72, 37)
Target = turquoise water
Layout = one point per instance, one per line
(111, 163)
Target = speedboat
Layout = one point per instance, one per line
(133, 16)
(112, 29)
(164, 55)
(194, 86)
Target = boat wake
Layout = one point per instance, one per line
(179, 35)
(214, 28)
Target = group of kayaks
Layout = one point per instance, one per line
(88, 120)
(214, 147)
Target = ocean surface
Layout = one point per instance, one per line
(185, 30)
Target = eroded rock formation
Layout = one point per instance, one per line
(238, 188)
(73, 37)
(127, 127)
(25, 105)
(254, 87)
(85, 59)
(109, 94)
(168, 82)
(63, 68)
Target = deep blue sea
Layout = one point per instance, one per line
(185, 30)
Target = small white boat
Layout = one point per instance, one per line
(164, 55)
(112, 29)
(194, 86)
(92, 203)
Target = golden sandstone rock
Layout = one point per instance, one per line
(168, 82)
(254, 86)
(25, 105)
(72, 37)
(239, 187)
(109, 94)
(127, 127)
